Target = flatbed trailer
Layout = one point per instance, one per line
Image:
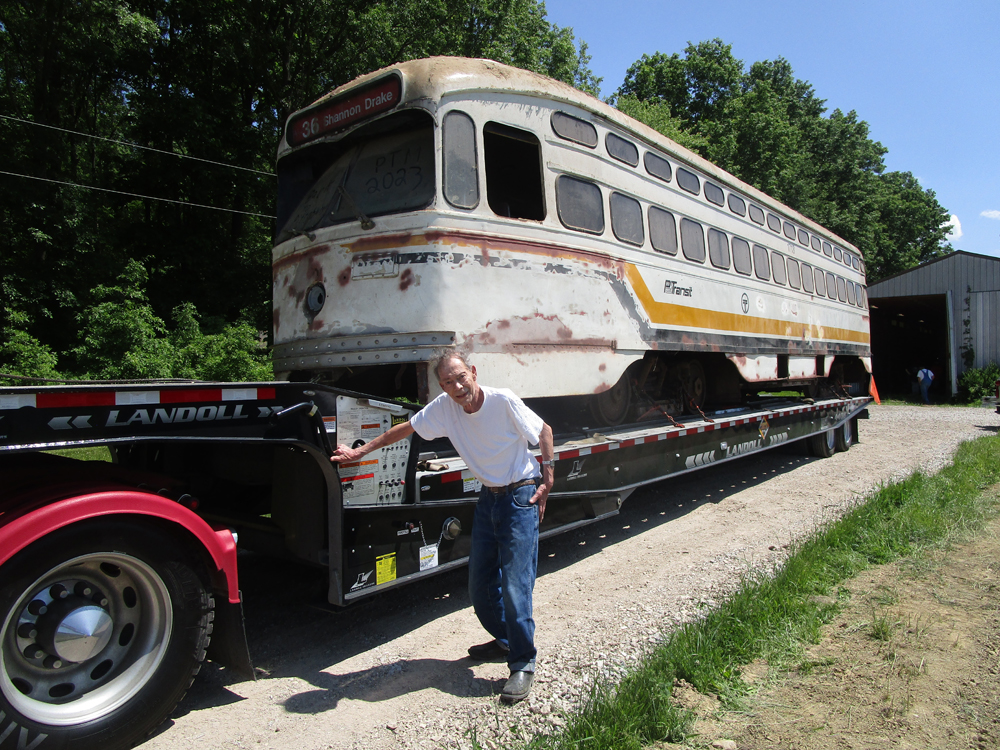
(117, 578)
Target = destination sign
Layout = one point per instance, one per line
(345, 110)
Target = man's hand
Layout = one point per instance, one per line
(540, 497)
(343, 455)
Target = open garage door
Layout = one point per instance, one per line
(909, 333)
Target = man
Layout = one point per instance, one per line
(925, 377)
(491, 429)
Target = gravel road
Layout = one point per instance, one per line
(392, 672)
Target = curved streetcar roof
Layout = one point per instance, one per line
(434, 77)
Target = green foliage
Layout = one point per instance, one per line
(978, 383)
(22, 354)
(123, 339)
(770, 129)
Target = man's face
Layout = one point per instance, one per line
(459, 382)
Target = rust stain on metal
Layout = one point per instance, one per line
(298, 257)
(387, 242)
(344, 277)
(406, 280)
(603, 367)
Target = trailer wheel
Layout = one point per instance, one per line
(104, 626)
(612, 407)
(845, 436)
(824, 444)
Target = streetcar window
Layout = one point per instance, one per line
(760, 265)
(847, 259)
(851, 299)
(662, 231)
(714, 194)
(579, 204)
(831, 285)
(816, 244)
(838, 254)
(385, 167)
(793, 273)
(756, 214)
(862, 296)
(513, 172)
(789, 231)
(657, 166)
(804, 237)
(842, 289)
(774, 223)
(626, 219)
(718, 246)
(692, 238)
(741, 256)
(737, 205)
(574, 129)
(622, 150)
(856, 263)
(827, 249)
(461, 177)
(807, 278)
(820, 282)
(778, 268)
(688, 180)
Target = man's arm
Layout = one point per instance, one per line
(343, 454)
(548, 471)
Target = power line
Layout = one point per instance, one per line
(136, 195)
(136, 145)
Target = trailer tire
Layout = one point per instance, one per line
(845, 436)
(103, 627)
(824, 444)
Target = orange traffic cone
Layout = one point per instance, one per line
(873, 391)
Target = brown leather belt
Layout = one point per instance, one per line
(511, 487)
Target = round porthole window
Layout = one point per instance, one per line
(315, 298)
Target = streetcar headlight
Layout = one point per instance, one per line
(315, 298)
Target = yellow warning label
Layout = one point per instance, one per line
(763, 428)
(385, 569)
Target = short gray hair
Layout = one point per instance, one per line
(447, 357)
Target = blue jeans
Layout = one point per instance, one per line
(502, 566)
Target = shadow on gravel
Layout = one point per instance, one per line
(293, 632)
(388, 681)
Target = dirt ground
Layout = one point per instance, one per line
(392, 672)
(910, 661)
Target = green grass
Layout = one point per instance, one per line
(97, 453)
(774, 612)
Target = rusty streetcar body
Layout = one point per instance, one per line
(569, 249)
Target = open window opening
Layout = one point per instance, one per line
(513, 172)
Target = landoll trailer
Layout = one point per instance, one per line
(118, 578)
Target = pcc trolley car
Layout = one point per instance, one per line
(572, 251)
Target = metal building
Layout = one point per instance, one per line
(943, 315)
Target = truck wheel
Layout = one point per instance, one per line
(824, 444)
(104, 626)
(845, 436)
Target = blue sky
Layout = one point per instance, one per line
(924, 75)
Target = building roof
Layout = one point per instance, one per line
(958, 271)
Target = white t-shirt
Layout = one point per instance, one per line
(493, 442)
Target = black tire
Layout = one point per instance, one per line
(824, 444)
(148, 622)
(845, 436)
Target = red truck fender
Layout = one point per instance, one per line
(23, 530)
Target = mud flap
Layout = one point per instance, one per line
(229, 639)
